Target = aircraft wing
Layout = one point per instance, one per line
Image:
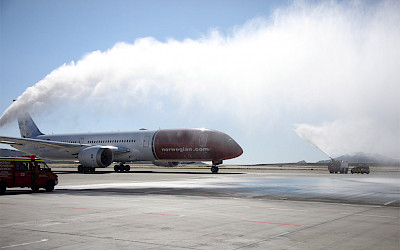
(73, 148)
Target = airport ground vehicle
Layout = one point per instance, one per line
(26, 171)
(360, 169)
(338, 167)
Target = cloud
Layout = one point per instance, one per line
(329, 63)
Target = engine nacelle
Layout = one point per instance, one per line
(96, 157)
(166, 163)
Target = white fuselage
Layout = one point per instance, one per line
(137, 145)
(165, 147)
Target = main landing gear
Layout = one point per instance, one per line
(214, 168)
(83, 169)
(122, 168)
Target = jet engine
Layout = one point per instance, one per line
(166, 163)
(96, 157)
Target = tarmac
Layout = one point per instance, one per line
(177, 208)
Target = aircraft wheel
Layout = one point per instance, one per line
(80, 169)
(214, 169)
(90, 170)
(86, 170)
(127, 168)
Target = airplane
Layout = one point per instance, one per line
(164, 147)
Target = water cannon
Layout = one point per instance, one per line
(321, 150)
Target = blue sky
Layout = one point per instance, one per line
(39, 36)
(264, 104)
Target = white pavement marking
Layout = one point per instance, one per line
(371, 215)
(389, 202)
(288, 209)
(279, 235)
(24, 244)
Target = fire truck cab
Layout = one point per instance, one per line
(26, 171)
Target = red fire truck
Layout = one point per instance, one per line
(26, 171)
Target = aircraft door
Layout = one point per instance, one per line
(146, 141)
(203, 140)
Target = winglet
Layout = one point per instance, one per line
(27, 126)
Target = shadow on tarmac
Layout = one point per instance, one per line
(198, 192)
(145, 172)
(224, 192)
(23, 191)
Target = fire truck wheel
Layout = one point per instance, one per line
(50, 186)
(2, 188)
(35, 189)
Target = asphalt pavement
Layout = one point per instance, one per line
(194, 209)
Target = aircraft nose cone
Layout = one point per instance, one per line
(235, 149)
(222, 146)
(232, 148)
(239, 150)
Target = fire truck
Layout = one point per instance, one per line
(335, 166)
(26, 171)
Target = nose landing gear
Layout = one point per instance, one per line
(214, 168)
